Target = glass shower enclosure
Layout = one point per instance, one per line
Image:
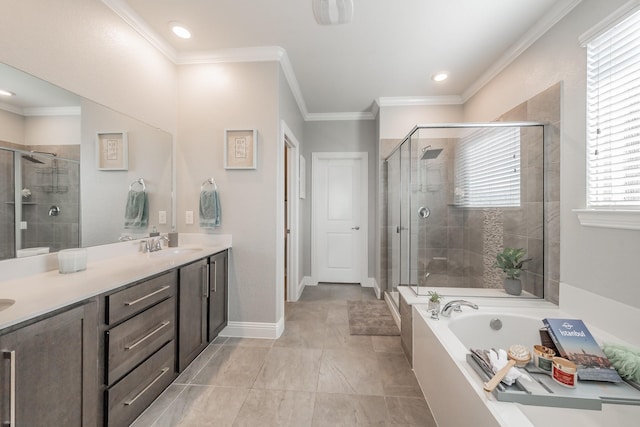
(457, 194)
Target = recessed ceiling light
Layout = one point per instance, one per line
(440, 77)
(180, 30)
(6, 93)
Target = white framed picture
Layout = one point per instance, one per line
(112, 151)
(240, 149)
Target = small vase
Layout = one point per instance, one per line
(433, 305)
(513, 286)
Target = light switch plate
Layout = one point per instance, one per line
(162, 217)
(188, 217)
(23, 225)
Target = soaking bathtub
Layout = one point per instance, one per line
(454, 391)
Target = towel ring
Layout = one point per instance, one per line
(209, 181)
(138, 181)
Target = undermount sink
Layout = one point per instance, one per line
(171, 252)
(6, 303)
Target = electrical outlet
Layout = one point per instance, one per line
(162, 217)
(188, 217)
(23, 225)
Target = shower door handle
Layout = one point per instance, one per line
(357, 227)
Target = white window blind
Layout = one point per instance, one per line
(487, 168)
(613, 97)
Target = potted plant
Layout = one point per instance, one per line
(434, 301)
(511, 261)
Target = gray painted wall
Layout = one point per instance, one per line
(343, 136)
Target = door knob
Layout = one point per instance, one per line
(355, 228)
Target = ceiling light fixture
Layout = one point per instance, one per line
(333, 12)
(440, 77)
(6, 93)
(180, 30)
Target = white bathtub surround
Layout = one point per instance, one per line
(604, 313)
(448, 381)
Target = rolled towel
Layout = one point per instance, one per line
(498, 361)
(209, 209)
(136, 214)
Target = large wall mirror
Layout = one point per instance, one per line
(67, 167)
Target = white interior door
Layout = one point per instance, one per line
(339, 221)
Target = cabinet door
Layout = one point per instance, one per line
(217, 294)
(192, 323)
(49, 371)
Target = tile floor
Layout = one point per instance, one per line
(316, 374)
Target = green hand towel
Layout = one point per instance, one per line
(209, 209)
(136, 213)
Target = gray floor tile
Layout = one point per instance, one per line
(409, 410)
(302, 334)
(159, 406)
(276, 408)
(387, 344)
(204, 406)
(337, 337)
(190, 372)
(349, 410)
(349, 372)
(250, 342)
(233, 366)
(290, 369)
(396, 375)
(307, 311)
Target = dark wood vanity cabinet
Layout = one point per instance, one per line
(192, 318)
(49, 371)
(139, 346)
(218, 291)
(203, 308)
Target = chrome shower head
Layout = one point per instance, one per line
(430, 153)
(32, 159)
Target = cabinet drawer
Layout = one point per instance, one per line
(130, 301)
(136, 339)
(131, 396)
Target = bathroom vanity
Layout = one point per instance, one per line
(97, 347)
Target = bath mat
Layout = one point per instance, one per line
(371, 318)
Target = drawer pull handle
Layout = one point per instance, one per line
(144, 390)
(11, 355)
(146, 337)
(130, 303)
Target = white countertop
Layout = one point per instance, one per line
(40, 293)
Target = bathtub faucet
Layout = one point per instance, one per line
(455, 306)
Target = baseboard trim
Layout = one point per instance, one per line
(371, 282)
(395, 313)
(254, 330)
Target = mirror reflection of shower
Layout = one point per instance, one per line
(40, 201)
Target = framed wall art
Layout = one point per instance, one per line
(112, 151)
(241, 149)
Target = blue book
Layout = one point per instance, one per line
(575, 343)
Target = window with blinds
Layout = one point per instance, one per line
(613, 111)
(487, 168)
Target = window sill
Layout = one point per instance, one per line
(621, 219)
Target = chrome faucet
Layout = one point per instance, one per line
(152, 244)
(456, 305)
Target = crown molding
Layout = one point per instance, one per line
(52, 111)
(618, 15)
(412, 101)
(41, 111)
(324, 117)
(128, 15)
(11, 108)
(550, 19)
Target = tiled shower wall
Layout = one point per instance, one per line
(458, 246)
(56, 182)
